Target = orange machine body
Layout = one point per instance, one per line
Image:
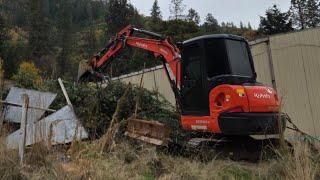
(232, 99)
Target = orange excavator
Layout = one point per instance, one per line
(213, 79)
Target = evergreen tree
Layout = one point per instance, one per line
(156, 16)
(119, 14)
(90, 42)
(193, 16)
(39, 29)
(65, 34)
(299, 13)
(275, 22)
(249, 26)
(176, 9)
(305, 13)
(241, 25)
(17, 10)
(90, 45)
(313, 13)
(211, 24)
(3, 36)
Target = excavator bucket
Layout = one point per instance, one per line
(83, 70)
(152, 132)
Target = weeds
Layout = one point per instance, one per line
(133, 160)
(301, 164)
(9, 164)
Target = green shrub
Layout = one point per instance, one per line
(95, 105)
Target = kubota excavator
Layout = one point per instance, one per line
(213, 79)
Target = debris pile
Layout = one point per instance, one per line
(36, 99)
(95, 112)
(95, 105)
(59, 127)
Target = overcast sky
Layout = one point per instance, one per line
(223, 10)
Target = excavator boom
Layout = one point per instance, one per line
(149, 131)
(159, 46)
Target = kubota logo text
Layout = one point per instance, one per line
(262, 96)
(142, 45)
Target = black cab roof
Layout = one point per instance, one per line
(215, 36)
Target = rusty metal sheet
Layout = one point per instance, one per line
(36, 99)
(60, 127)
(152, 132)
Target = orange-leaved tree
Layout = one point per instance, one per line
(28, 76)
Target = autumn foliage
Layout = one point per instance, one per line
(28, 75)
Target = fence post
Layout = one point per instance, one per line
(23, 126)
(1, 93)
(273, 76)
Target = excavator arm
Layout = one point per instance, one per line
(159, 46)
(149, 131)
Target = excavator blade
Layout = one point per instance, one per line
(83, 70)
(152, 132)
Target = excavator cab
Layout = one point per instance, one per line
(210, 61)
(219, 91)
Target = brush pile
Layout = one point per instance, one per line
(95, 106)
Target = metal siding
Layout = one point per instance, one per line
(310, 44)
(59, 128)
(297, 71)
(161, 83)
(36, 99)
(261, 63)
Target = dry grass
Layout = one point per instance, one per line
(107, 141)
(38, 164)
(131, 160)
(9, 164)
(303, 163)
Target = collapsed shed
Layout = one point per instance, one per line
(59, 127)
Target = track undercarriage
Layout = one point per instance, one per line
(205, 146)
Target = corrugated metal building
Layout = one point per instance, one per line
(288, 62)
(295, 72)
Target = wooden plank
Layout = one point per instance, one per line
(23, 127)
(71, 106)
(154, 141)
(1, 92)
(64, 92)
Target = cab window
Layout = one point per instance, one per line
(216, 57)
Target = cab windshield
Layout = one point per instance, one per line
(227, 57)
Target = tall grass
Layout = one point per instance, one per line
(132, 160)
(39, 163)
(302, 163)
(9, 163)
